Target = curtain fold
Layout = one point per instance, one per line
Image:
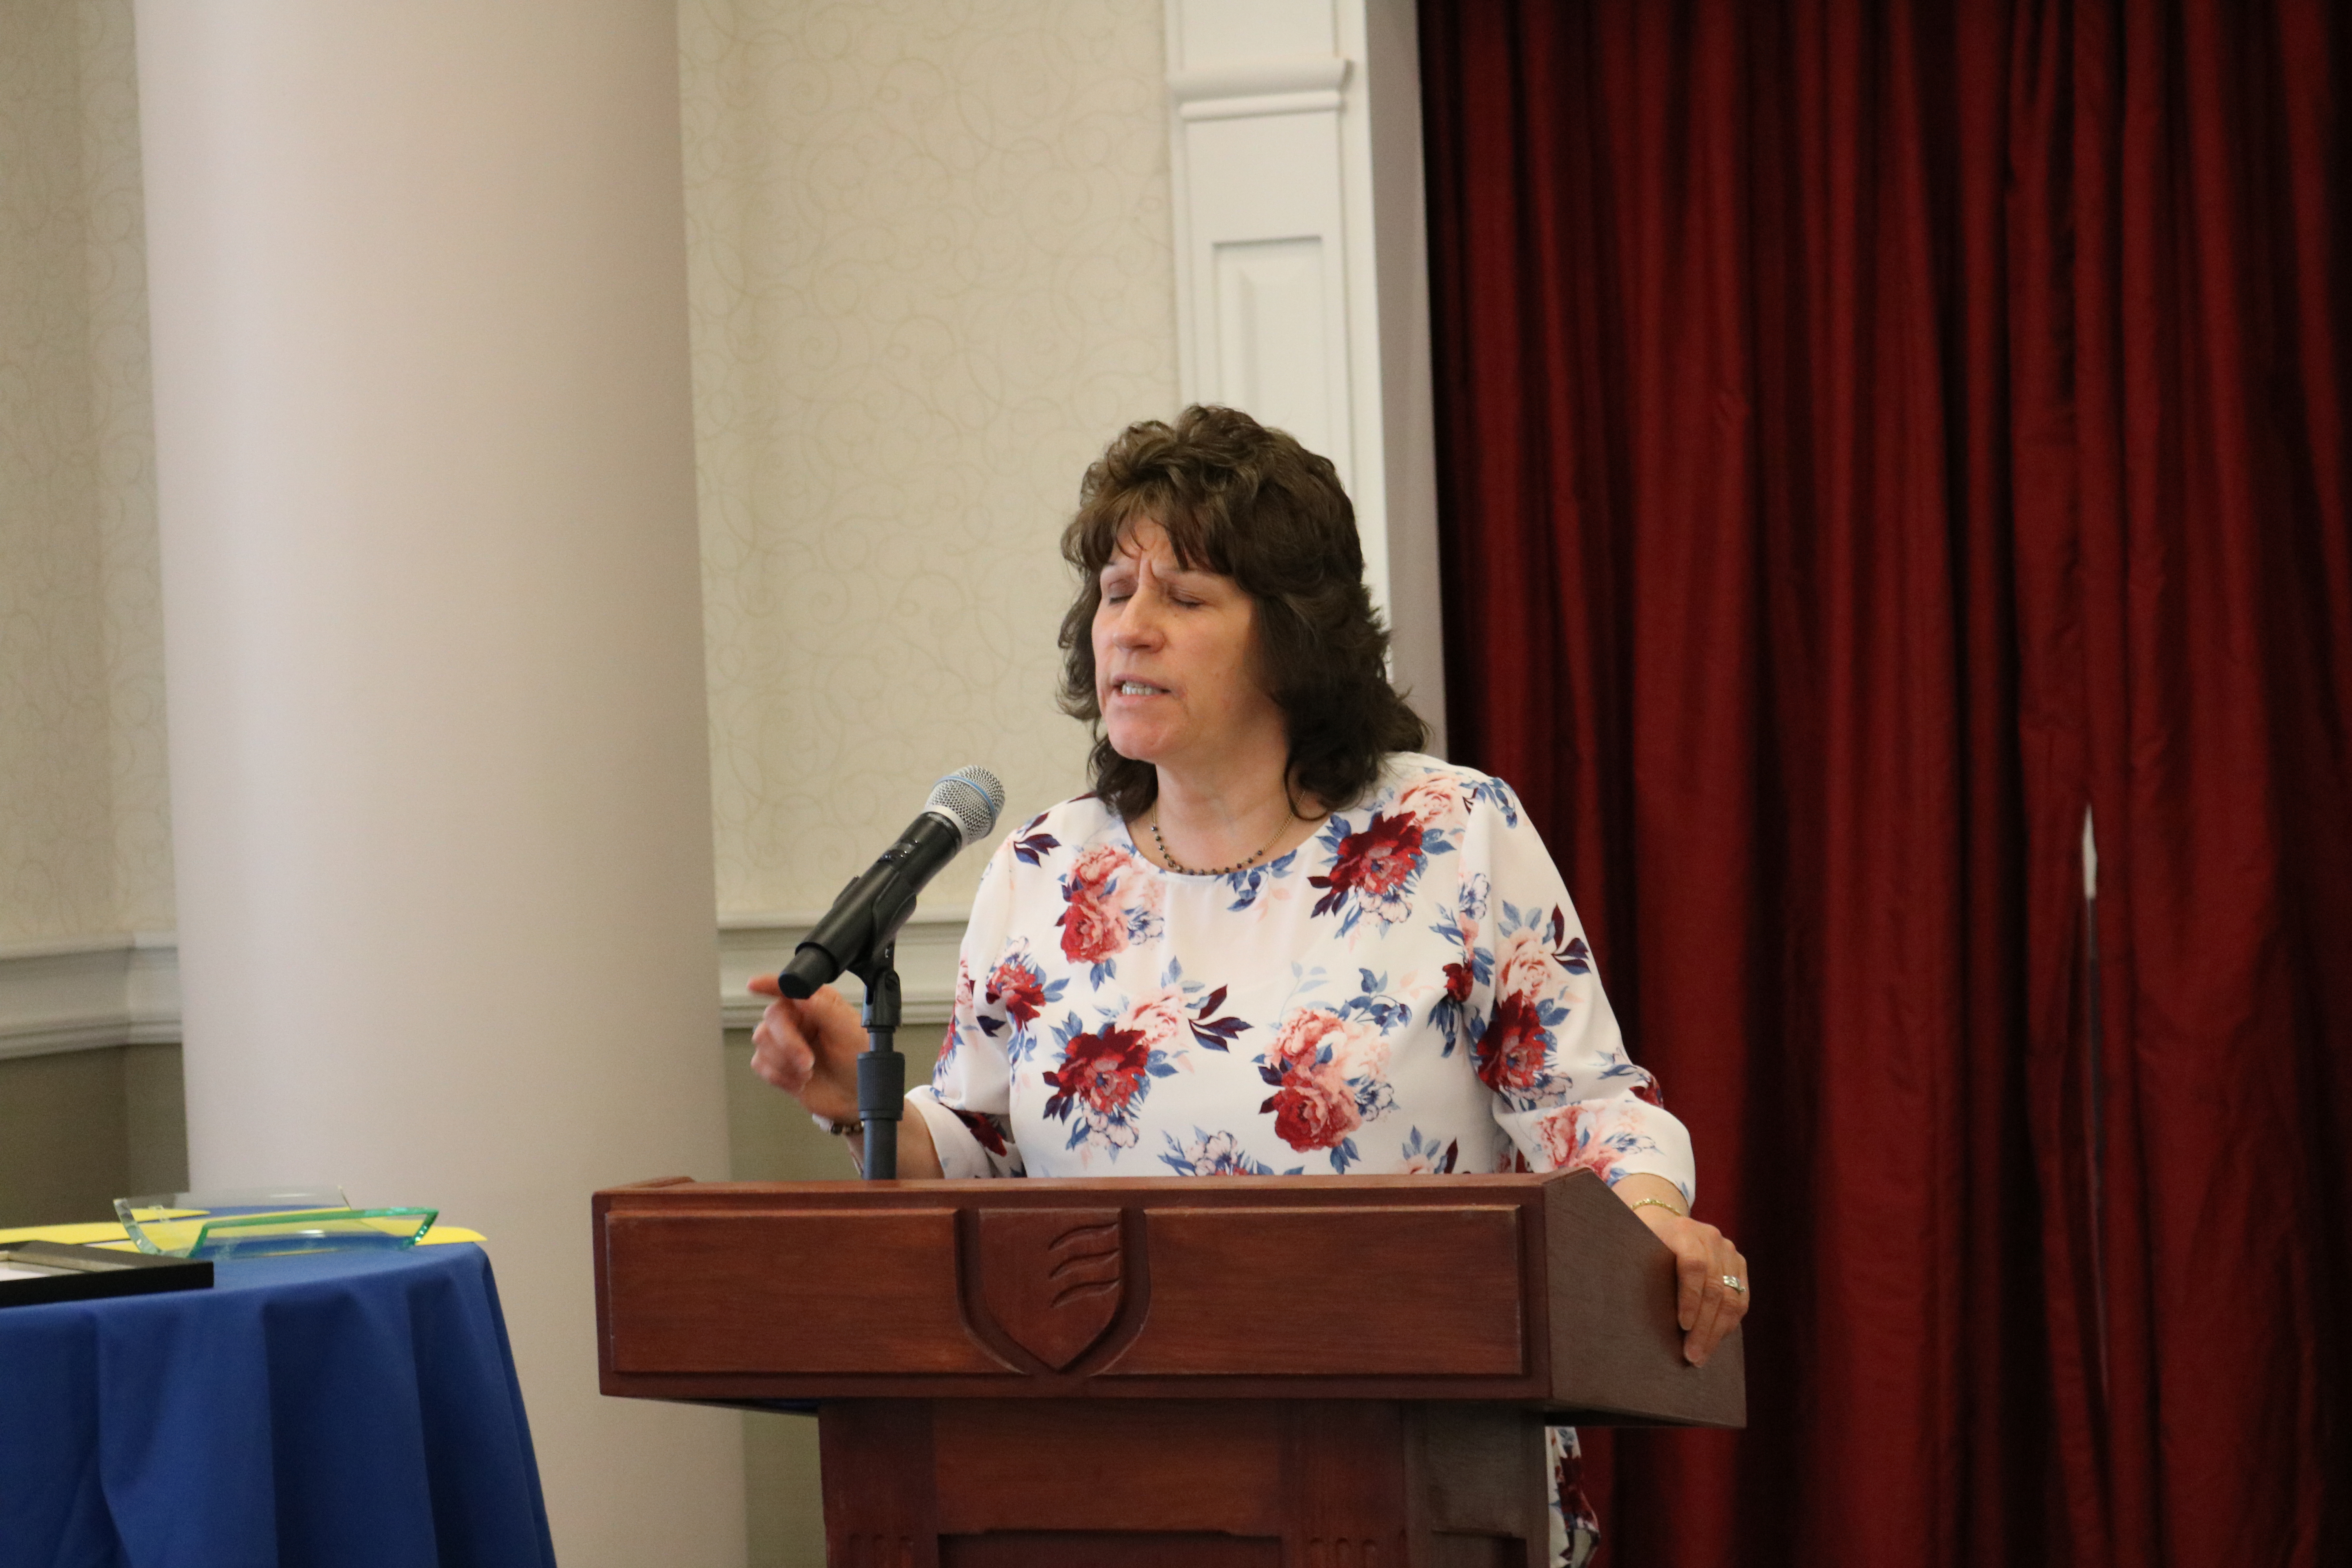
(1871, 435)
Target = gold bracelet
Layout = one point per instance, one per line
(1678, 1214)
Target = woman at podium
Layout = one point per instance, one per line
(1273, 938)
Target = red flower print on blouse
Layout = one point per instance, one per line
(1374, 864)
(1514, 1056)
(1570, 1145)
(1314, 1105)
(1312, 1032)
(961, 1009)
(1567, 1489)
(1094, 926)
(982, 1129)
(1157, 1017)
(1091, 928)
(1019, 989)
(1510, 1053)
(1435, 802)
(1309, 1115)
(1102, 1072)
(1524, 966)
(1458, 981)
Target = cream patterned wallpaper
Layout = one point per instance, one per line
(122, 425)
(930, 270)
(84, 807)
(931, 276)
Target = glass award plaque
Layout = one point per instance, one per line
(260, 1222)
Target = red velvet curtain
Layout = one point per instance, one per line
(1872, 432)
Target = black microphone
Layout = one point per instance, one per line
(866, 917)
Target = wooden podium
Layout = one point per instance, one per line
(1335, 1371)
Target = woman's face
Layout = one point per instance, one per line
(1174, 662)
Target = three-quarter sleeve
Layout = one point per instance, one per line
(968, 1103)
(1542, 1036)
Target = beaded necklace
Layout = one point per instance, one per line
(1176, 865)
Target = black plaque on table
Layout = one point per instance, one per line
(31, 1272)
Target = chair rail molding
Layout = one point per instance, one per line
(1302, 277)
(89, 993)
(752, 945)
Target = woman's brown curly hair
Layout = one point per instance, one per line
(1251, 504)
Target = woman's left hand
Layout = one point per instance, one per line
(1707, 1267)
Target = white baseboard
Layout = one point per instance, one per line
(78, 993)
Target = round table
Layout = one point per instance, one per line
(344, 1409)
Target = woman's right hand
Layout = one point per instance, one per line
(809, 1049)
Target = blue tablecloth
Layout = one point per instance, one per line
(342, 1410)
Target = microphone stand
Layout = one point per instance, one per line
(881, 1071)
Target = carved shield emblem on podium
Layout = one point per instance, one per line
(1052, 1279)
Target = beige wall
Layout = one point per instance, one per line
(931, 276)
(79, 1128)
(84, 809)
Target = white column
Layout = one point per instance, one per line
(434, 651)
(1302, 292)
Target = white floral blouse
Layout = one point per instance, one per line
(1406, 992)
(1409, 991)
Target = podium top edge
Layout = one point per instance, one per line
(1454, 1187)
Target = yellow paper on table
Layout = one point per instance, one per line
(96, 1234)
(110, 1233)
